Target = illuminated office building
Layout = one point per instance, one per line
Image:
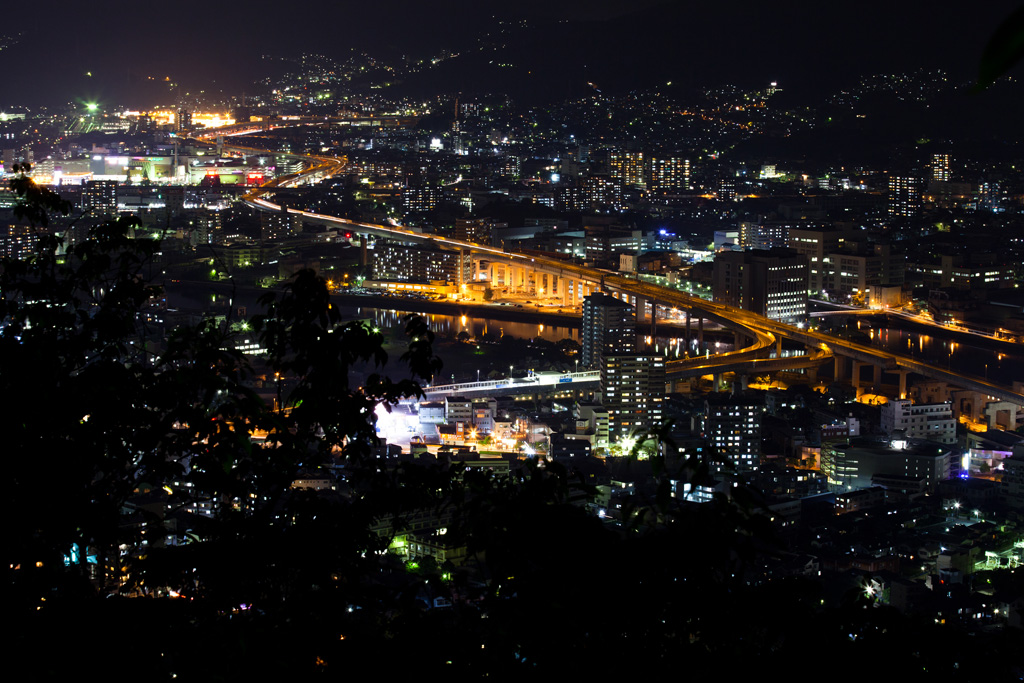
(627, 168)
(632, 390)
(394, 261)
(609, 326)
(731, 424)
(99, 197)
(941, 167)
(668, 175)
(904, 196)
(772, 283)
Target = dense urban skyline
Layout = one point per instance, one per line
(591, 339)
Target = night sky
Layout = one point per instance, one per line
(217, 45)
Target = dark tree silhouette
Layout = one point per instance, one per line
(279, 583)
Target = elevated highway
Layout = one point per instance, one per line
(536, 381)
(246, 127)
(762, 333)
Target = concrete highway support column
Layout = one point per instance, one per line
(778, 347)
(903, 381)
(839, 373)
(857, 365)
(689, 314)
(876, 379)
(700, 333)
(364, 259)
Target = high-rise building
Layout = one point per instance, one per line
(732, 426)
(99, 197)
(858, 266)
(276, 225)
(772, 283)
(609, 326)
(904, 196)
(668, 175)
(393, 261)
(601, 191)
(726, 190)
(763, 235)
(17, 241)
(816, 244)
(183, 121)
(632, 390)
(477, 230)
(627, 168)
(941, 167)
(422, 198)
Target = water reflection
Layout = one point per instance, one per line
(952, 355)
(452, 325)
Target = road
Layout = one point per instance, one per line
(764, 331)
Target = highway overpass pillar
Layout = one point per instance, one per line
(654, 324)
(700, 333)
(903, 382)
(876, 379)
(687, 338)
(839, 373)
(364, 259)
(857, 365)
(778, 347)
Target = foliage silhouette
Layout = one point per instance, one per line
(1003, 51)
(281, 582)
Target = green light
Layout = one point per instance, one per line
(92, 106)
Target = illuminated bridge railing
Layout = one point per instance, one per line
(553, 379)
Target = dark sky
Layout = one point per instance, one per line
(218, 44)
